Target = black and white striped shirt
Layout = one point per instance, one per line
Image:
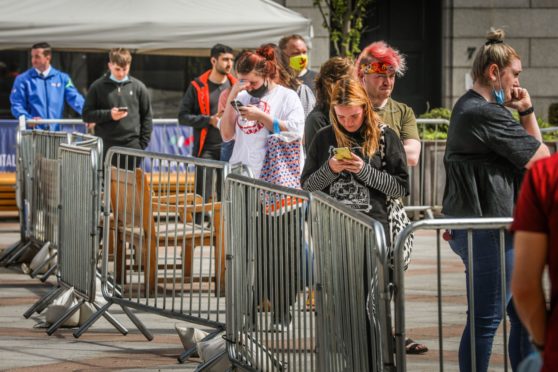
(366, 190)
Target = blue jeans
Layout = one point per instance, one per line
(488, 310)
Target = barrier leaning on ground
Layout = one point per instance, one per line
(163, 250)
(468, 224)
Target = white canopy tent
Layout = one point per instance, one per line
(176, 27)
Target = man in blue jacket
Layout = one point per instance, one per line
(40, 92)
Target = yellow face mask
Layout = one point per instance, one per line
(299, 62)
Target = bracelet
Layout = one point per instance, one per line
(530, 110)
(276, 128)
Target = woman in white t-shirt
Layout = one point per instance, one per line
(258, 106)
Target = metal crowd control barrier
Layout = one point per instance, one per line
(427, 177)
(353, 334)
(270, 320)
(26, 187)
(44, 198)
(468, 224)
(24, 161)
(163, 251)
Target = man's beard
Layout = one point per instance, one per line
(222, 71)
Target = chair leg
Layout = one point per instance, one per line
(120, 259)
(150, 269)
(187, 260)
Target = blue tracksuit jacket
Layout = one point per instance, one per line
(34, 96)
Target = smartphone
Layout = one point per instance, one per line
(123, 109)
(341, 153)
(236, 104)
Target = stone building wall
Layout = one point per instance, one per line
(531, 28)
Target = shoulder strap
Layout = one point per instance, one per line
(382, 146)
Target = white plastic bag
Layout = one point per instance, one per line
(208, 349)
(41, 256)
(189, 336)
(59, 306)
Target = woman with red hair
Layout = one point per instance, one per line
(258, 106)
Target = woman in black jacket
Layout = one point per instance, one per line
(363, 179)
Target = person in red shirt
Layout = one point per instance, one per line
(536, 246)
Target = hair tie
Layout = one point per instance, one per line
(494, 41)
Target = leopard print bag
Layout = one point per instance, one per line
(397, 217)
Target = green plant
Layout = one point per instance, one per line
(344, 21)
(553, 113)
(435, 131)
(437, 113)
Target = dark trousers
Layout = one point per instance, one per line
(123, 161)
(204, 184)
(279, 264)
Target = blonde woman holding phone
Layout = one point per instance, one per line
(344, 159)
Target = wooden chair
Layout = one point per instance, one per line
(148, 223)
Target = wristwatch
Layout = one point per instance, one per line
(530, 110)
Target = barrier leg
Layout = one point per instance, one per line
(112, 320)
(17, 254)
(48, 273)
(93, 318)
(186, 354)
(43, 264)
(138, 323)
(10, 250)
(64, 317)
(43, 302)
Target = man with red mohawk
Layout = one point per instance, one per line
(376, 68)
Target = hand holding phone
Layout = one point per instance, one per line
(237, 104)
(342, 153)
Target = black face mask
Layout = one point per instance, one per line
(259, 92)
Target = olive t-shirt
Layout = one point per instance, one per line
(486, 154)
(401, 118)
